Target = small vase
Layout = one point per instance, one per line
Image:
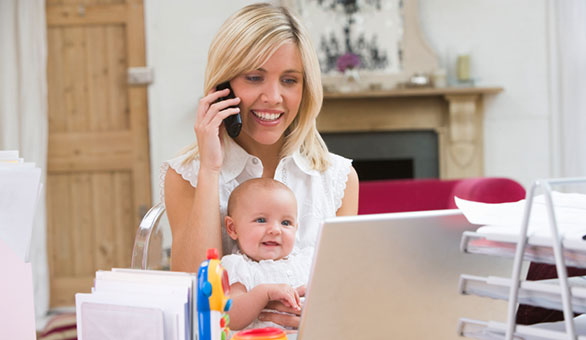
(351, 80)
(352, 75)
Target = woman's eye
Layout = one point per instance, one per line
(290, 81)
(253, 78)
(260, 220)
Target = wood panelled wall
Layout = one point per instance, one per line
(98, 183)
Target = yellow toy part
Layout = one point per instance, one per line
(218, 278)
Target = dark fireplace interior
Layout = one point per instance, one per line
(388, 155)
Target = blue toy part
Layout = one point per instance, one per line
(212, 299)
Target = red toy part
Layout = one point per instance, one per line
(267, 333)
(212, 254)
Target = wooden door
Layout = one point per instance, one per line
(98, 183)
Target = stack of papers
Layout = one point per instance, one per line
(20, 187)
(507, 218)
(138, 304)
(501, 228)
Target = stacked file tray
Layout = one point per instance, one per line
(560, 241)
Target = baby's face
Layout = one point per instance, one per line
(265, 222)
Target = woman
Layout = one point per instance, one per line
(267, 56)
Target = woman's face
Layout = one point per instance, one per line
(270, 96)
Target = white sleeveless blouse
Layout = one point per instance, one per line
(319, 194)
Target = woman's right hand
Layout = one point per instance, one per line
(208, 124)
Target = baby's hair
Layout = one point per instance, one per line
(264, 183)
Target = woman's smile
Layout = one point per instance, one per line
(267, 116)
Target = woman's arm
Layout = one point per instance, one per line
(194, 218)
(350, 199)
(194, 213)
(247, 305)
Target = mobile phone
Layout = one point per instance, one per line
(232, 123)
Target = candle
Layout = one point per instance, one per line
(463, 67)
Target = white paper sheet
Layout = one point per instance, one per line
(506, 218)
(17, 312)
(111, 322)
(19, 192)
(173, 311)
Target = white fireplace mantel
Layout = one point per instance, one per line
(454, 113)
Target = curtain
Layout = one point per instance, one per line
(571, 64)
(23, 113)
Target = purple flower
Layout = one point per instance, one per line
(348, 60)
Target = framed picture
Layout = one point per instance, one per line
(369, 44)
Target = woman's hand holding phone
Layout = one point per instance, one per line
(208, 122)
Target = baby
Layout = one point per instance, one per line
(262, 218)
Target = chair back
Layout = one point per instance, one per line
(152, 243)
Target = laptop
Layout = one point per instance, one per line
(395, 276)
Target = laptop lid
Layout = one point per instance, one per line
(395, 276)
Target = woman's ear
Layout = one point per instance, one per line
(230, 228)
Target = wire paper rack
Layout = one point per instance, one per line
(569, 296)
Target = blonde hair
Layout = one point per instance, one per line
(245, 42)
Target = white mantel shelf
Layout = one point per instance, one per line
(454, 113)
(415, 92)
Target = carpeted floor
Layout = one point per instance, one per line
(59, 327)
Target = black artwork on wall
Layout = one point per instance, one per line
(365, 50)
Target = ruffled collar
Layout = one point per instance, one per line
(293, 252)
(236, 158)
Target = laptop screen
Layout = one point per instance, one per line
(395, 276)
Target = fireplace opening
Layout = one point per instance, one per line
(371, 170)
(388, 155)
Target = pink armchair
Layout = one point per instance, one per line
(434, 194)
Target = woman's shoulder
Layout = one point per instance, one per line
(339, 167)
(337, 176)
(337, 161)
(184, 166)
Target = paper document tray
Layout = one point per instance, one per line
(496, 330)
(538, 249)
(545, 293)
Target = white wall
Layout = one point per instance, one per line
(509, 48)
(507, 40)
(178, 34)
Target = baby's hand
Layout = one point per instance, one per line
(285, 294)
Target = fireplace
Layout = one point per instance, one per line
(388, 155)
(451, 117)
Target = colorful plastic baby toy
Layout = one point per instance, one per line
(213, 288)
